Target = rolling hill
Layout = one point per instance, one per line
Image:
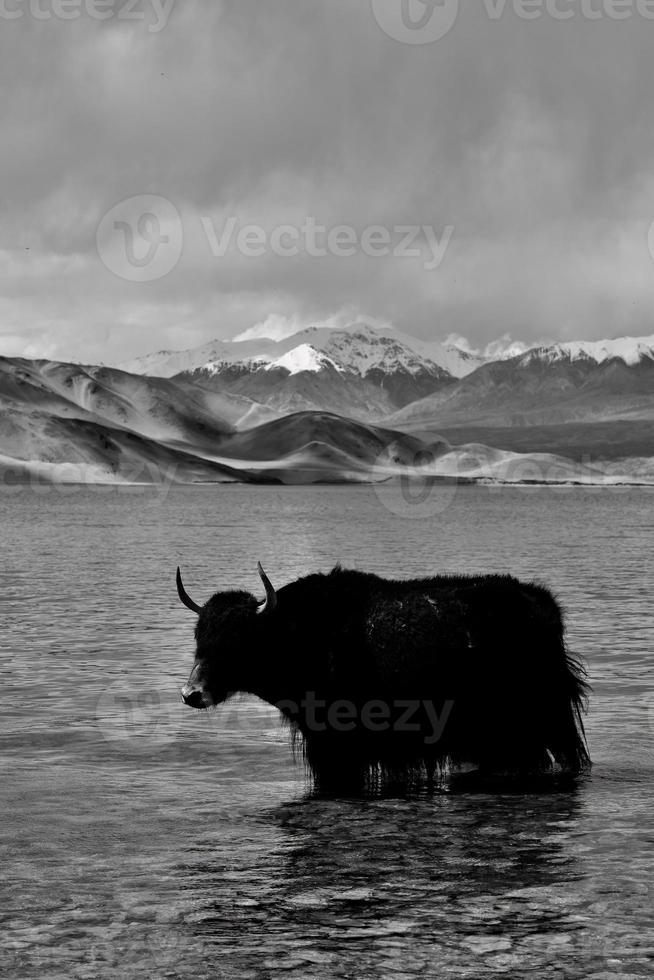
(67, 421)
(70, 423)
(35, 446)
(155, 407)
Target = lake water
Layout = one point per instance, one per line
(141, 839)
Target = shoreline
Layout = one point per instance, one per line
(611, 483)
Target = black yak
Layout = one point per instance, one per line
(387, 680)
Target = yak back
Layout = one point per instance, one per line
(351, 630)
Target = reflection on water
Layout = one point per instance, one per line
(436, 886)
(400, 886)
(141, 840)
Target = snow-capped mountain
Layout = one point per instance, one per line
(456, 358)
(370, 373)
(168, 363)
(356, 372)
(295, 361)
(362, 349)
(584, 381)
(303, 358)
(358, 348)
(360, 370)
(631, 350)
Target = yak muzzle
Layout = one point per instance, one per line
(195, 697)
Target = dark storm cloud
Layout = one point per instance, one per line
(534, 139)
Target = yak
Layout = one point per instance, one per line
(397, 680)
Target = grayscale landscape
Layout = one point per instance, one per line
(326, 490)
(347, 405)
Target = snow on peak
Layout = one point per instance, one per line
(361, 348)
(303, 358)
(357, 348)
(218, 364)
(631, 350)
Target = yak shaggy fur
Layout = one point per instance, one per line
(487, 653)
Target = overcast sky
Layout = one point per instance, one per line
(525, 147)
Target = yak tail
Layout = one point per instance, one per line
(567, 734)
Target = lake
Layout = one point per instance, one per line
(142, 839)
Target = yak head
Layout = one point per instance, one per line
(229, 641)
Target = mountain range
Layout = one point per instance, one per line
(360, 403)
(545, 386)
(359, 372)
(358, 347)
(379, 375)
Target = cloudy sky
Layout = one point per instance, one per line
(495, 180)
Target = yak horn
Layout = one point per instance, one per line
(184, 596)
(270, 601)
